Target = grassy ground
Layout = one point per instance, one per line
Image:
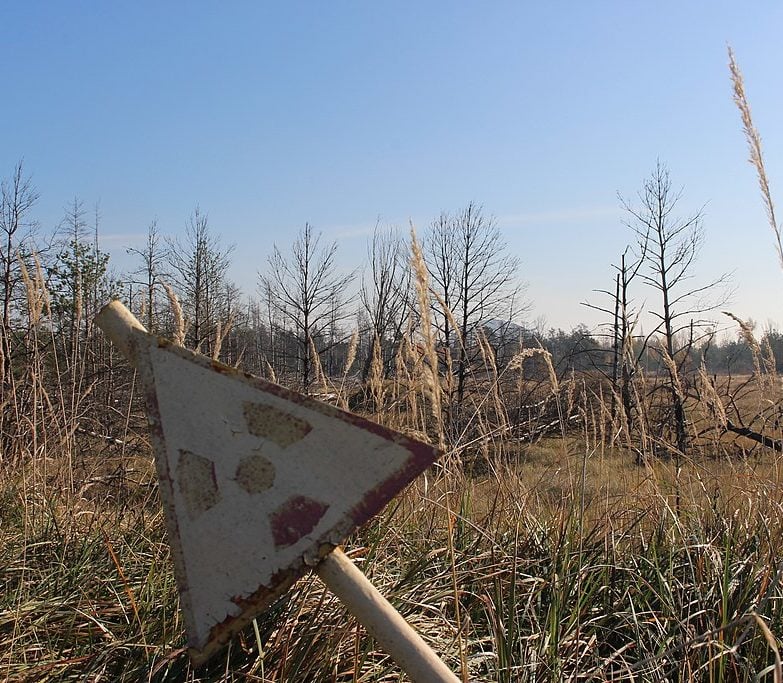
(567, 564)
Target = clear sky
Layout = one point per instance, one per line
(342, 113)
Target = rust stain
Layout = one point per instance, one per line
(255, 473)
(374, 500)
(270, 423)
(295, 518)
(197, 482)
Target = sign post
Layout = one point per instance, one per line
(259, 485)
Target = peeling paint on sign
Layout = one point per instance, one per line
(276, 425)
(255, 473)
(196, 478)
(294, 519)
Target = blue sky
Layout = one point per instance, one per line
(341, 114)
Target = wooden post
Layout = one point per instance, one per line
(381, 620)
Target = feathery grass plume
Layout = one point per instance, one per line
(604, 417)
(270, 371)
(768, 356)
(218, 341)
(400, 371)
(746, 332)
(448, 378)
(490, 363)
(755, 149)
(78, 306)
(421, 277)
(620, 424)
(179, 318)
(412, 363)
(41, 285)
(640, 389)
(320, 378)
(353, 345)
(570, 391)
(376, 375)
(671, 366)
(350, 357)
(32, 292)
(553, 380)
(711, 397)
(518, 359)
(221, 332)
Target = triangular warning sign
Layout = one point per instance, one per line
(258, 482)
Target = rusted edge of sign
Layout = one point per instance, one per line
(422, 456)
(252, 605)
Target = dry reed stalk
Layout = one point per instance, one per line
(553, 380)
(142, 310)
(350, 358)
(179, 318)
(32, 292)
(353, 345)
(270, 371)
(711, 397)
(754, 147)
(671, 366)
(376, 376)
(222, 331)
(41, 285)
(490, 363)
(422, 292)
(759, 366)
(320, 378)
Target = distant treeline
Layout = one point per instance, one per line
(582, 350)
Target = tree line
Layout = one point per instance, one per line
(310, 320)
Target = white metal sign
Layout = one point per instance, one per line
(259, 483)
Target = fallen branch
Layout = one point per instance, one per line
(758, 437)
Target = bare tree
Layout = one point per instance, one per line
(17, 198)
(476, 279)
(385, 294)
(625, 355)
(306, 291)
(669, 246)
(151, 272)
(199, 264)
(440, 251)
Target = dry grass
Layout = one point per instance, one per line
(571, 569)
